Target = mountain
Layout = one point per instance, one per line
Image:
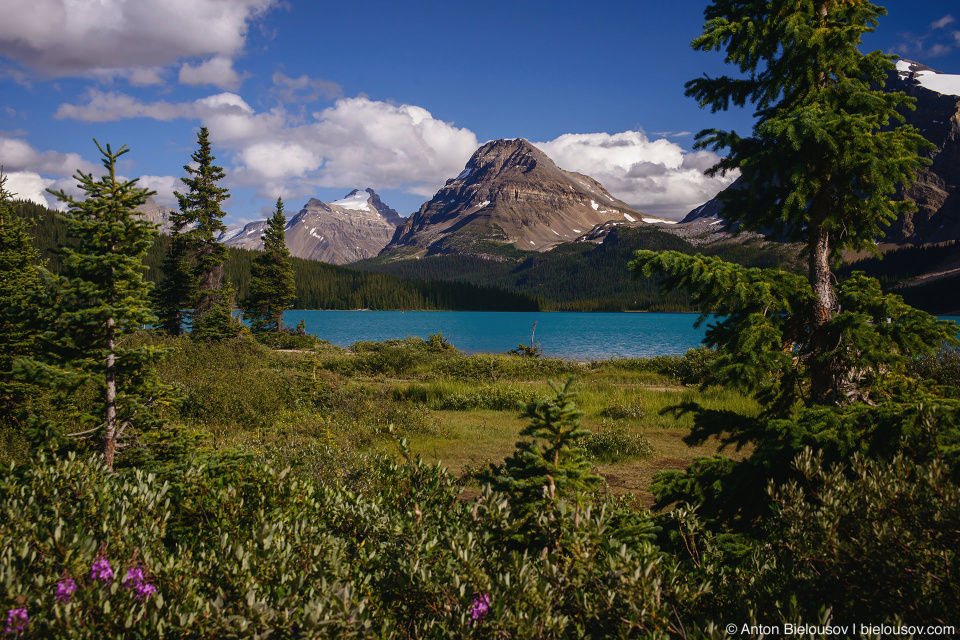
(937, 189)
(156, 213)
(510, 192)
(353, 228)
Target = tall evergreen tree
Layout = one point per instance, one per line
(200, 211)
(822, 162)
(177, 289)
(98, 298)
(272, 287)
(20, 283)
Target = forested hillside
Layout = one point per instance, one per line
(584, 276)
(319, 285)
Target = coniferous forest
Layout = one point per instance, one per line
(169, 472)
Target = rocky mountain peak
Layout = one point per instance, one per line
(510, 192)
(346, 230)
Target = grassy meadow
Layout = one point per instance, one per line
(457, 410)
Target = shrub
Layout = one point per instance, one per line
(260, 551)
(943, 367)
(613, 443)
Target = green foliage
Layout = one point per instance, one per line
(767, 347)
(218, 322)
(908, 418)
(446, 396)
(692, 368)
(97, 300)
(234, 547)
(942, 367)
(436, 342)
(272, 286)
(823, 161)
(874, 537)
(613, 443)
(20, 285)
(551, 464)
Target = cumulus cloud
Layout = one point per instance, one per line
(217, 71)
(61, 38)
(18, 155)
(164, 186)
(654, 176)
(358, 141)
(26, 185)
(304, 88)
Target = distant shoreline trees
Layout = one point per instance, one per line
(272, 285)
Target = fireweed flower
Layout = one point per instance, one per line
(479, 608)
(65, 589)
(137, 580)
(17, 619)
(101, 570)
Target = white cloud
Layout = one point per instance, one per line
(942, 22)
(164, 186)
(27, 185)
(358, 141)
(217, 71)
(94, 37)
(656, 177)
(304, 88)
(19, 155)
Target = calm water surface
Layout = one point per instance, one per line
(581, 336)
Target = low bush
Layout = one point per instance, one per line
(266, 553)
(613, 443)
(943, 367)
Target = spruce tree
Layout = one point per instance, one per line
(551, 464)
(272, 287)
(99, 298)
(200, 211)
(174, 295)
(20, 283)
(826, 358)
(823, 160)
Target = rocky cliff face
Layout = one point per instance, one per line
(937, 190)
(156, 213)
(338, 232)
(510, 192)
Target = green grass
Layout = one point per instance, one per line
(462, 411)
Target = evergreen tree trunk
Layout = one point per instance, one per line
(823, 382)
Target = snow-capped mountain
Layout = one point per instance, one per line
(510, 192)
(346, 230)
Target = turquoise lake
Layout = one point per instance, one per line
(578, 336)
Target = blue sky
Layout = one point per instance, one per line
(312, 99)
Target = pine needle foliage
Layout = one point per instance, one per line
(194, 267)
(272, 286)
(98, 299)
(824, 158)
(20, 283)
(552, 463)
